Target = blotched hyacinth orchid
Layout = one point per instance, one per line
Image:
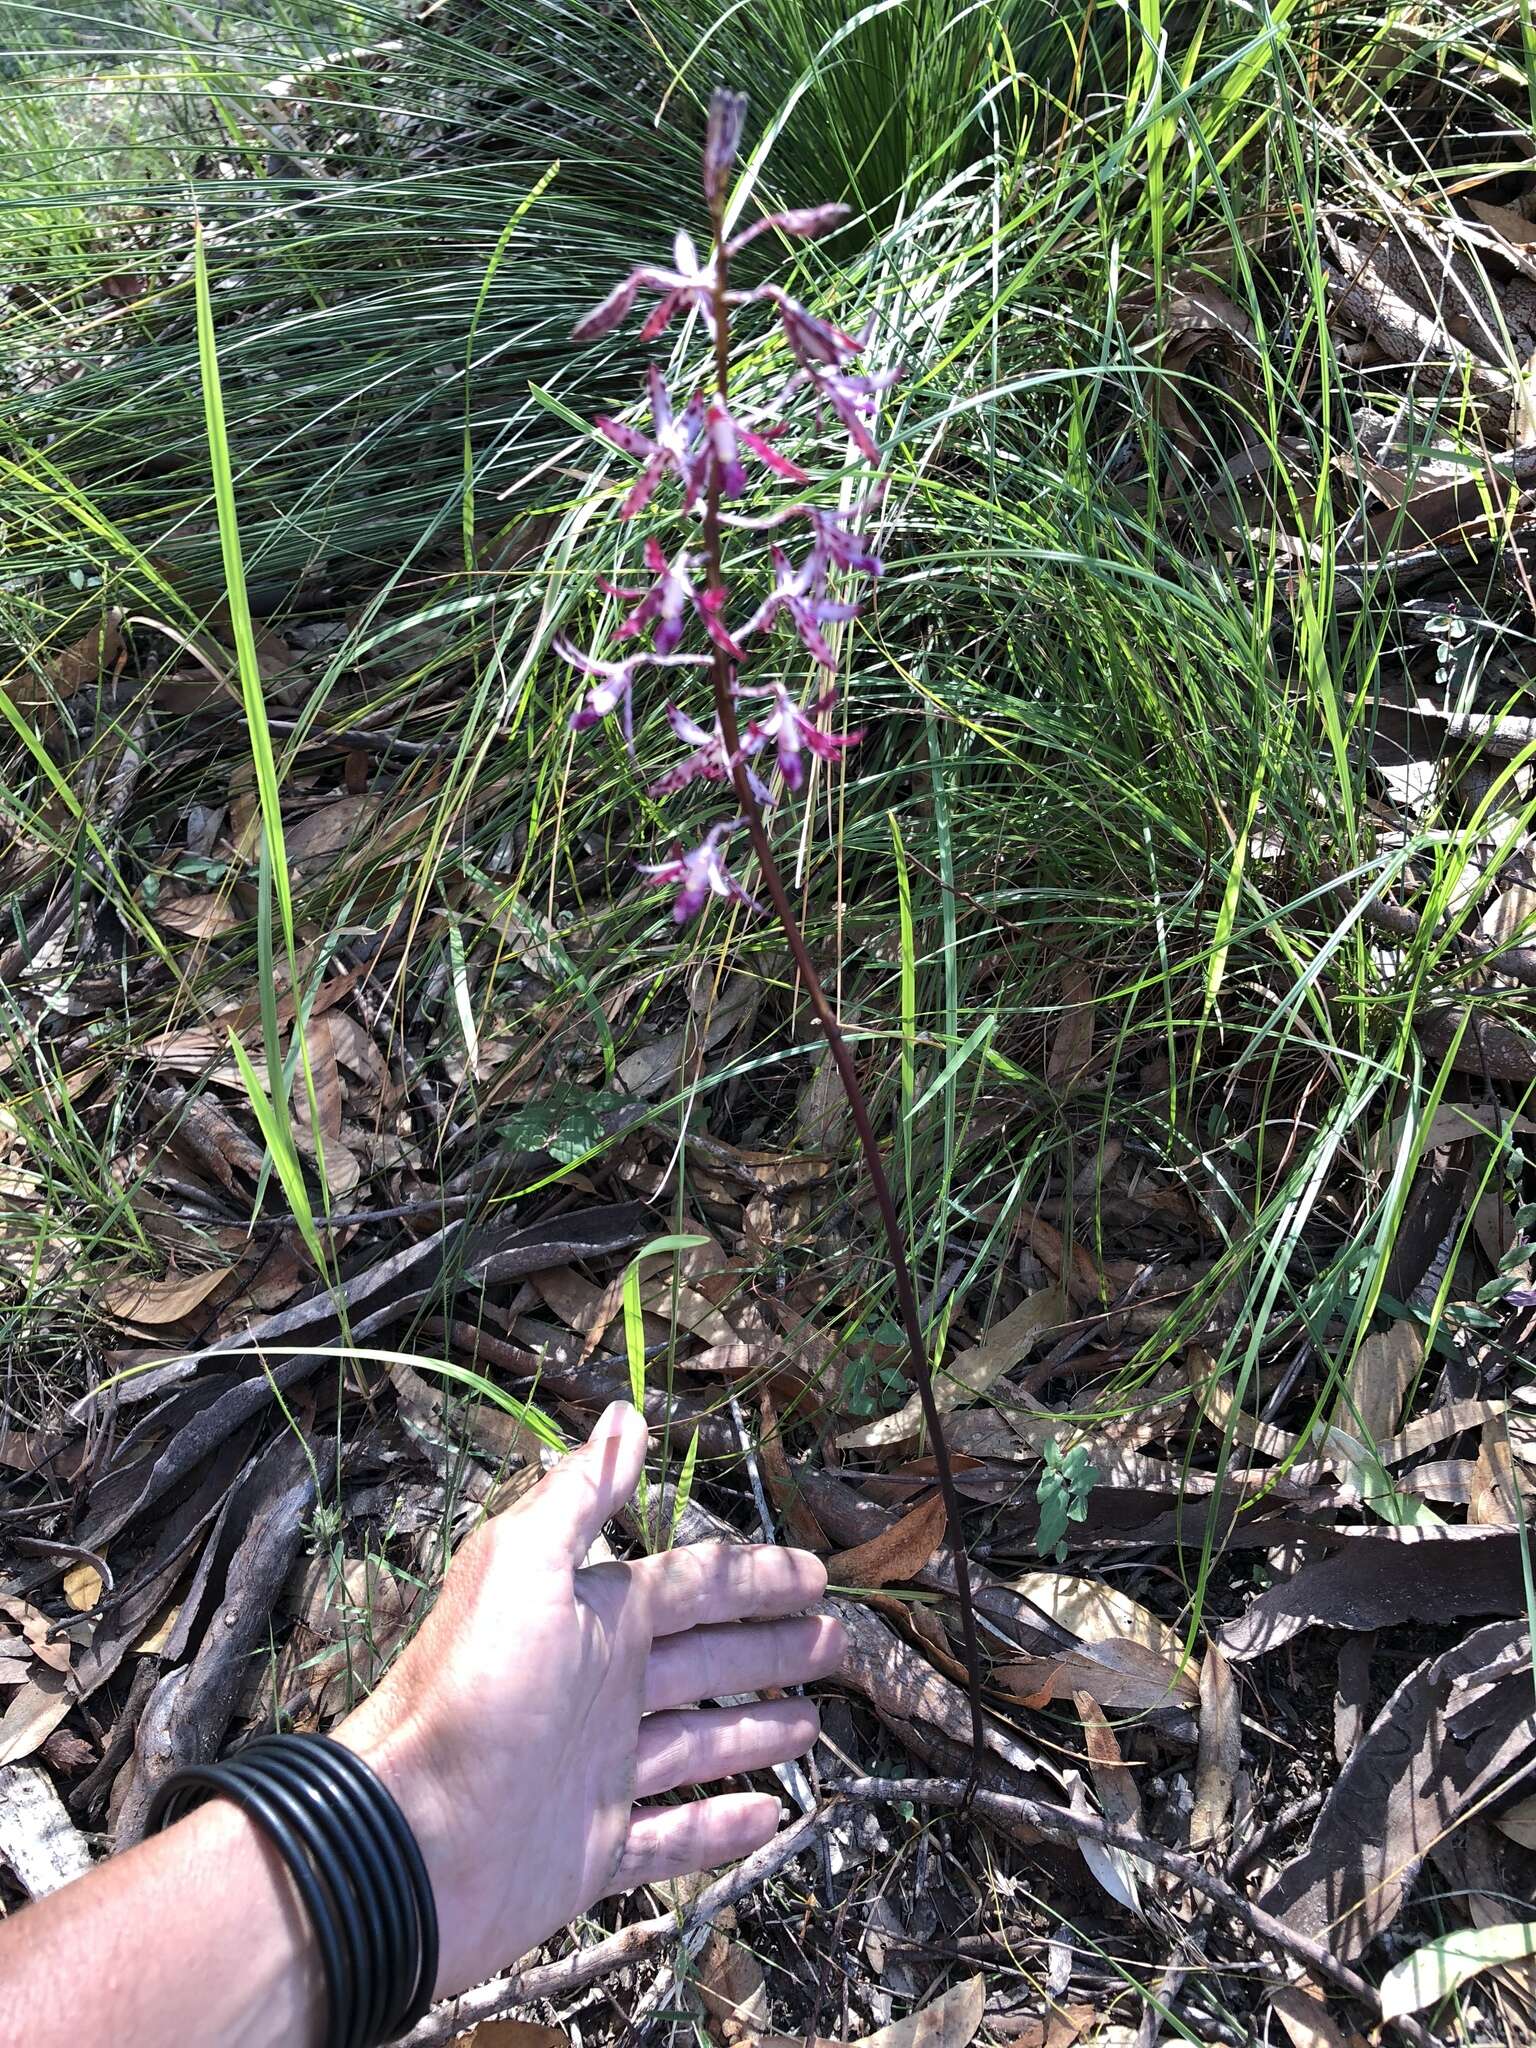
(701, 873)
(666, 605)
(794, 732)
(801, 593)
(701, 445)
(613, 689)
(708, 758)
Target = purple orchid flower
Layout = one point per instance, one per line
(668, 602)
(793, 729)
(810, 339)
(854, 397)
(700, 874)
(707, 760)
(835, 534)
(613, 688)
(839, 540)
(802, 593)
(675, 447)
(689, 282)
(725, 433)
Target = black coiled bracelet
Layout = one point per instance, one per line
(355, 1864)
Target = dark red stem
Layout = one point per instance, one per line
(837, 1046)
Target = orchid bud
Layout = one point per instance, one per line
(727, 112)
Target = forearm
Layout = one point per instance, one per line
(196, 1935)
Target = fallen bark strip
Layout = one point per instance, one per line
(506, 1995)
(1059, 1824)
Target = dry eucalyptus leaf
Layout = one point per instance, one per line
(316, 839)
(326, 1076)
(730, 1982)
(904, 1686)
(204, 916)
(1434, 1428)
(1100, 1613)
(1114, 1869)
(1449, 1125)
(1406, 1786)
(1220, 1753)
(79, 665)
(1370, 1405)
(1432, 1573)
(1224, 1413)
(1518, 1822)
(1072, 1045)
(158, 1634)
(1306, 2019)
(1442, 1966)
(1119, 1800)
(899, 1551)
(1119, 1674)
(152, 1302)
(972, 1372)
(82, 1587)
(35, 1710)
(36, 1628)
(1514, 227)
(653, 1069)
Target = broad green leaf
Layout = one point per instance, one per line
(634, 1313)
(684, 1489)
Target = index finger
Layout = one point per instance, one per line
(700, 1584)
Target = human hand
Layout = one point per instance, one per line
(541, 1699)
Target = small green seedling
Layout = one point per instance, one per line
(1062, 1493)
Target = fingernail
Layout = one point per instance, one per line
(610, 1422)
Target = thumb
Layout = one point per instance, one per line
(589, 1486)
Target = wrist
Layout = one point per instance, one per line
(278, 1992)
(396, 1750)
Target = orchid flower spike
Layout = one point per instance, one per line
(718, 449)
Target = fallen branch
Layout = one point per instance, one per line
(505, 1995)
(1060, 1825)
